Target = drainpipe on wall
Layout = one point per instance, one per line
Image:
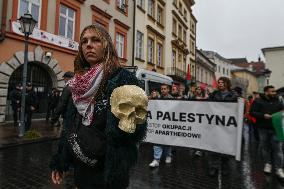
(133, 40)
(3, 21)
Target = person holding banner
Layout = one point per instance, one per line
(262, 109)
(158, 150)
(222, 94)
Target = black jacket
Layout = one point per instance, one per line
(15, 97)
(217, 96)
(66, 108)
(265, 105)
(112, 171)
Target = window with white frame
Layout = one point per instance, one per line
(31, 6)
(66, 22)
(150, 50)
(159, 54)
(139, 45)
(160, 15)
(151, 7)
(121, 4)
(120, 45)
(140, 3)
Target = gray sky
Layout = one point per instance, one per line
(239, 28)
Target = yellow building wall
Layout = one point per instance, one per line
(253, 85)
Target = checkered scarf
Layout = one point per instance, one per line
(83, 88)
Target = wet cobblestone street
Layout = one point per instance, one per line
(26, 167)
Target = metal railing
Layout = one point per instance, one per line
(176, 72)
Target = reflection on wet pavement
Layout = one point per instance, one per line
(26, 167)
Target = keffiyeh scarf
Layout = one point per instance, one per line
(83, 88)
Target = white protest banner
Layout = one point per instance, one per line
(212, 126)
(47, 37)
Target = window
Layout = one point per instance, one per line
(185, 14)
(206, 79)
(174, 57)
(179, 58)
(193, 47)
(139, 45)
(179, 31)
(151, 7)
(140, 3)
(197, 74)
(174, 26)
(160, 54)
(119, 45)
(192, 70)
(31, 6)
(101, 24)
(227, 72)
(184, 63)
(66, 22)
(193, 27)
(223, 71)
(150, 50)
(184, 36)
(180, 7)
(121, 4)
(160, 15)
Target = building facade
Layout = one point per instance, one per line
(54, 42)
(205, 70)
(223, 65)
(257, 68)
(165, 37)
(274, 58)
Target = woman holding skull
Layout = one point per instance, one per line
(110, 119)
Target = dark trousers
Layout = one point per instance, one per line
(28, 121)
(15, 116)
(271, 148)
(253, 130)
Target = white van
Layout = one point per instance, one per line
(152, 80)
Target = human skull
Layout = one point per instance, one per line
(129, 104)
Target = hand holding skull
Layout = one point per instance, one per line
(129, 104)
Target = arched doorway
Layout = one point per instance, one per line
(42, 85)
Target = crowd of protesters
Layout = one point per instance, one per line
(100, 153)
(257, 116)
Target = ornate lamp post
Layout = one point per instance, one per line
(27, 26)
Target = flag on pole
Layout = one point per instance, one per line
(278, 124)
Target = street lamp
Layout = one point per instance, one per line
(267, 74)
(27, 26)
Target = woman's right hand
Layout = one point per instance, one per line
(57, 177)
